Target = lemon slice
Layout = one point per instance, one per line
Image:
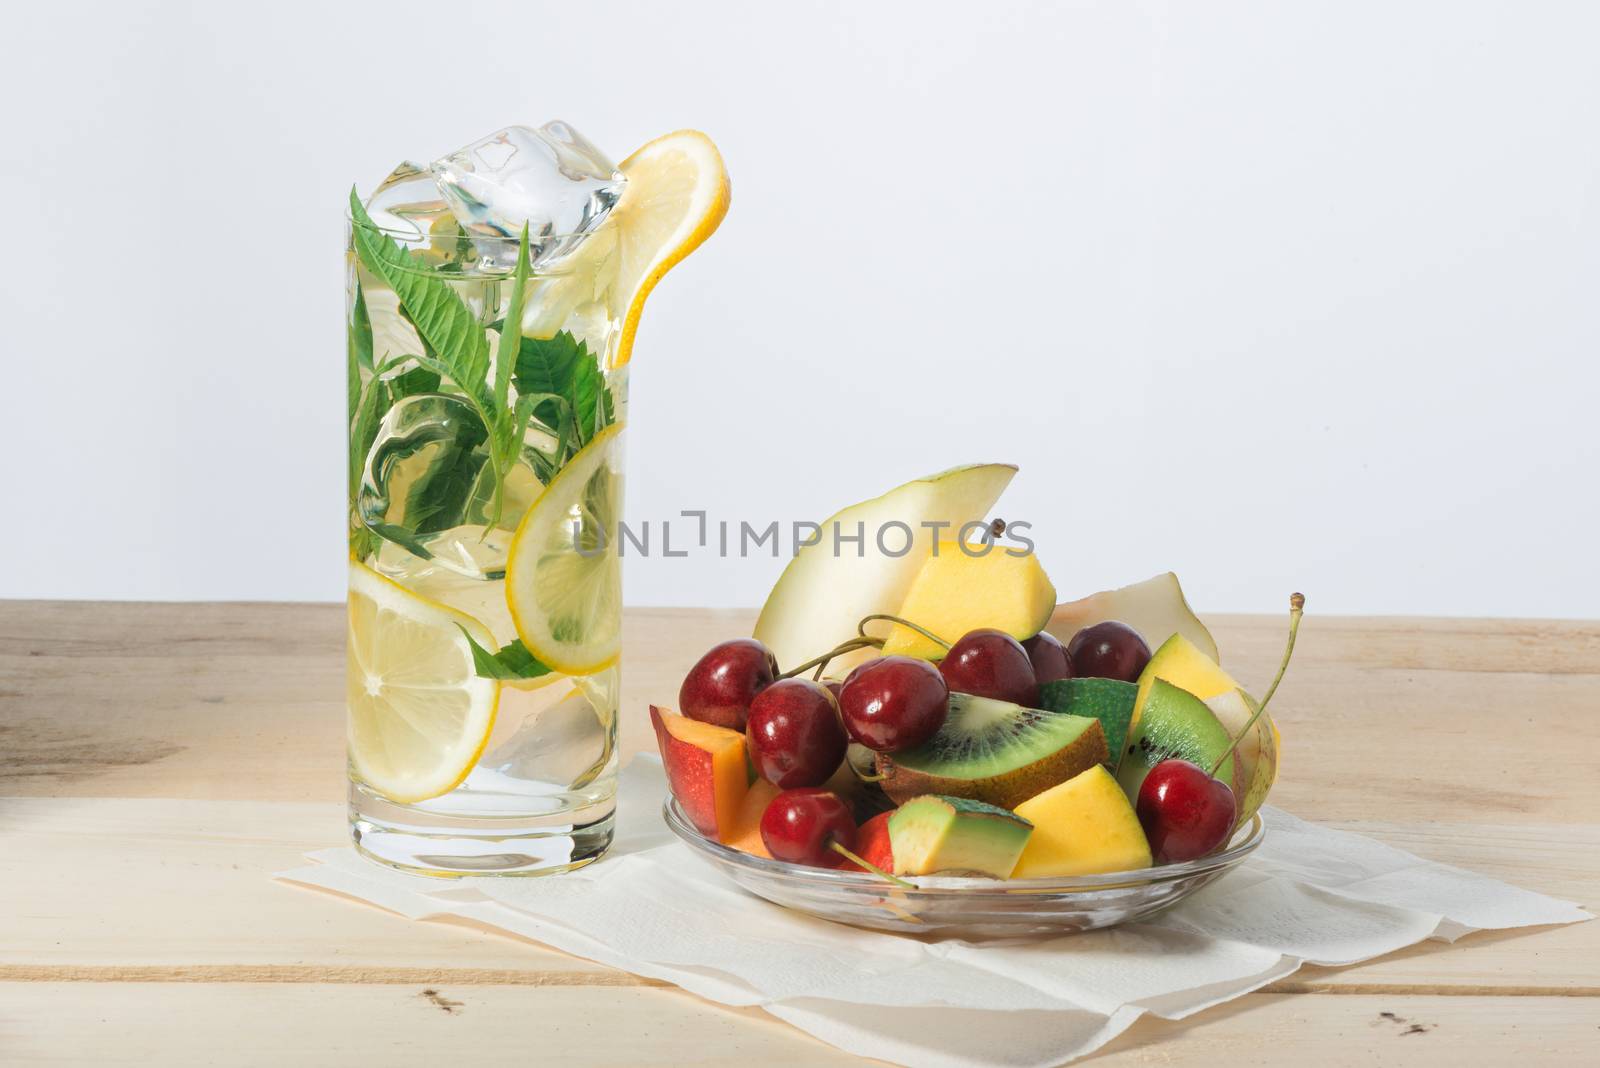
(676, 196)
(563, 579)
(419, 715)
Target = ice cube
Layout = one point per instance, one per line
(408, 206)
(550, 178)
(565, 744)
(407, 202)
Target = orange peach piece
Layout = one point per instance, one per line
(746, 835)
(706, 769)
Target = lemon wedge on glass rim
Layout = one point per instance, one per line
(419, 714)
(676, 197)
(563, 577)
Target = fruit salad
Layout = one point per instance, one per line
(911, 719)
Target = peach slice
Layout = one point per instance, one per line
(706, 768)
(746, 836)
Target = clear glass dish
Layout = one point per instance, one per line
(966, 906)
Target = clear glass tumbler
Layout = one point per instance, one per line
(485, 485)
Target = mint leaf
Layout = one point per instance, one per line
(511, 663)
(510, 424)
(506, 351)
(373, 401)
(358, 351)
(401, 537)
(442, 319)
(417, 380)
(564, 366)
(438, 497)
(361, 330)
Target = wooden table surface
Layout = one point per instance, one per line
(158, 762)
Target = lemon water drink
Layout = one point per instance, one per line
(492, 299)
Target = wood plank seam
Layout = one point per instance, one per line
(274, 973)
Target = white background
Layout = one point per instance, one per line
(1276, 295)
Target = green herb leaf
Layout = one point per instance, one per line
(564, 366)
(441, 318)
(361, 330)
(364, 421)
(507, 351)
(417, 380)
(511, 663)
(438, 498)
(401, 537)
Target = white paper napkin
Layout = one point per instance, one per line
(652, 908)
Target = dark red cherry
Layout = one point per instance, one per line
(799, 826)
(1185, 813)
(1108, 650)
(991, 663)
(721, 685)
(794, 734)
(894, 703)
(1049, 657)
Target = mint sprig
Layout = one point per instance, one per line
(457, 346)
(512, 663)
(558, 381)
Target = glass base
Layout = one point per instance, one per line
(423, 842)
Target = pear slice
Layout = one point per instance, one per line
(1258, 750)
(826, 590)
(1155, 608)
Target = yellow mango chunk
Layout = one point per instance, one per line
(1083, 826)
(956, 592)
(1183, 664)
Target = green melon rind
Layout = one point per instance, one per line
(1108, 700)
(936, 833)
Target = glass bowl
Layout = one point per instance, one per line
(967, 906)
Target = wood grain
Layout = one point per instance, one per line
(426, 1025)
(158, 761)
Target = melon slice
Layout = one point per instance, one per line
(832, 583)
(1155, 608)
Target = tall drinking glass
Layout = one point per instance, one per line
(485, 482)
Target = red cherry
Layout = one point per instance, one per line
(894, 703)
(794, 734)
(721, 685)
(1185, 812)
(799, 826)
(991, 663)
(1108, 650)
(1049, 658)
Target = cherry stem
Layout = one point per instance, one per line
(821, 662)
(873, 868)
(861, 628)
(1297, 607)
(862, 640)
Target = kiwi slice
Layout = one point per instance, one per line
(1174, 723)
(995, 752)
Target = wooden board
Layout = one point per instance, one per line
(158, 761)
(405, 1024)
